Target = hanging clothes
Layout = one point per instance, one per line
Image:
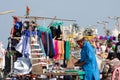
(51, 47)
(22, 66)
(67, 50)
(16, 29)
(36, 37)
(24, 45)
(55, 48)
(47, 41)
(11, 45)
(44, 41)
(56, 32)
(59, 49)
(42, 46)
(62, 48)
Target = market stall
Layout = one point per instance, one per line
(41, 50)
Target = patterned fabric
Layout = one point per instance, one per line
(109, 68)
(114, 74)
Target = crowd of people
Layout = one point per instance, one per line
(107, 50)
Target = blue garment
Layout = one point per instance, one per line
(41, 45)
(24, 44)
(90, 67)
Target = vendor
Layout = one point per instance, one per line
(88, 60)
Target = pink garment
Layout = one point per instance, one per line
(55, 42)
(59, 49)
(114, 72)
(59, 46)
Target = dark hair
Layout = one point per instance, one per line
(111, 55)
(109, 43)
(119, 35)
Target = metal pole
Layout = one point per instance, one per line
(117, 22)
(42, 18)
(6, 12)
(104, 26)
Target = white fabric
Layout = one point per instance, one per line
(24, 46)
(103, 48)
(78, 37)
(19, 46)
(22, 66)
(2, 56)
(100, 63)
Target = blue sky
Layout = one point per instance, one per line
(86, 12)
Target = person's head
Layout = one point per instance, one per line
(119, 37)
(109, 43)
(80, 41)
(111, 55)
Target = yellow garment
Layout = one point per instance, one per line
(89, 37)
(62, 48)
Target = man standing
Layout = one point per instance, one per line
(88, 60)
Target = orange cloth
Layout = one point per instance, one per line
(62, 48)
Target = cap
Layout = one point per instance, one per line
(78, 37)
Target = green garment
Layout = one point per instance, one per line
(56, 24)
(44, 29)
(67, 51)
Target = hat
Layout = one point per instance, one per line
(78, 37)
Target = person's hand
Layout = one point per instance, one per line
(107, 60)
(79, 63)
(76, 63)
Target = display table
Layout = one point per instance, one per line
(78, 74)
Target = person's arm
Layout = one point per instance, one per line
(105, 70)
(80, 64)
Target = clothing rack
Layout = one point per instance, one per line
(43, 18)
(36, 18)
